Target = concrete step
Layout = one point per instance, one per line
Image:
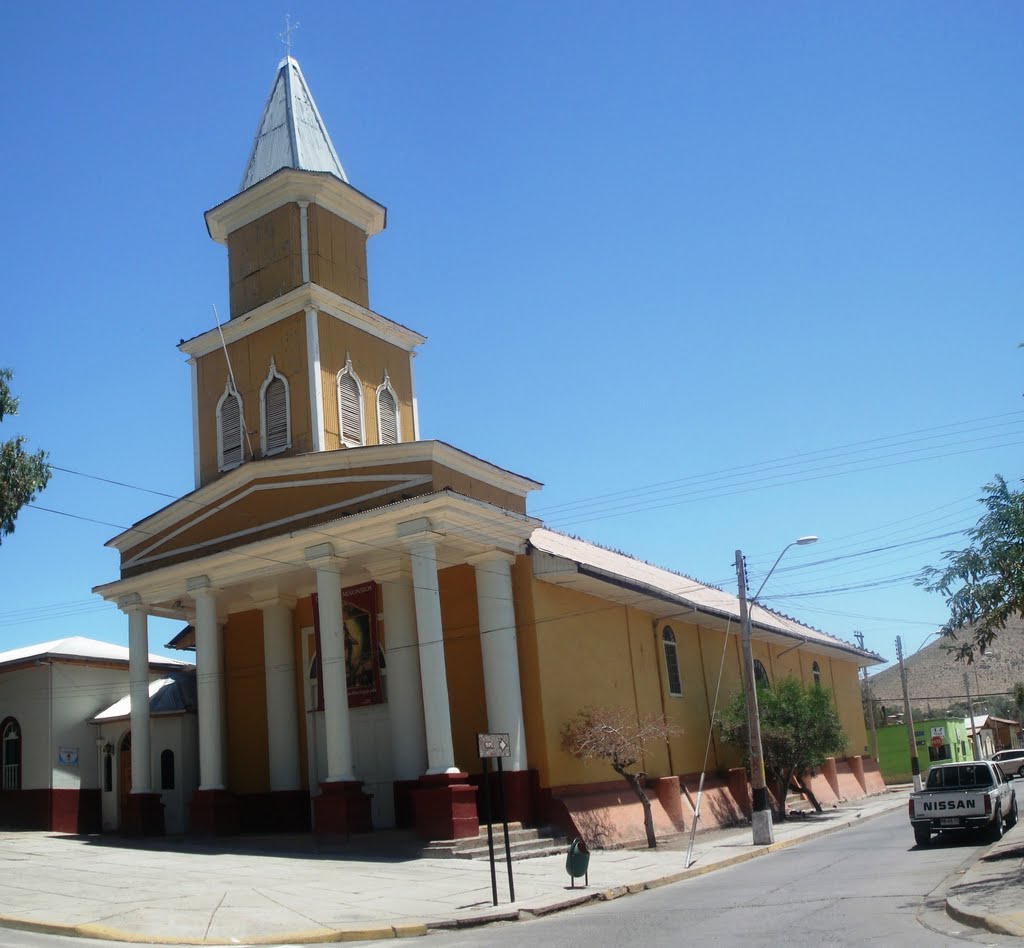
(523, 850)
(523, 843)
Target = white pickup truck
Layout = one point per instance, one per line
(966, 796)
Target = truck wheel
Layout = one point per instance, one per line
(922, 835)
(996, 829)
(1020, 771)
(1011, 820)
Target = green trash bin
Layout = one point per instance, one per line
(577, 861)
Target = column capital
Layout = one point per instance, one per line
(268, 599)
(417, 532)
(131, 603)
(198, 585)
(323, 556)
(491, 556)
(390, 571)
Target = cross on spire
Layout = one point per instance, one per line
(286, 36)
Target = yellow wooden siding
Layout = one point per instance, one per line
(337, 255)
(246, 703)
(285, 341)
(370, 358)
(264, 259)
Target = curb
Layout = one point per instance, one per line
(960, 911)
(322, 935)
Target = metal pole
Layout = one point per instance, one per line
(976, 737)
(761, 816)
(908, 717)
(504, 823)
(490, 828)
(871, 703)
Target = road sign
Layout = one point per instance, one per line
(937, 741)
(494, 745)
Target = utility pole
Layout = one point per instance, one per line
(871, 701)
(761, 815)
(970, 707)
(908, 717)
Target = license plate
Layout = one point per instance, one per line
(949, 821)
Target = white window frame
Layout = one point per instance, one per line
(230, 392)
(385, 386)
(348, 370)
(668, 640)
(271, 375)
(816, 673)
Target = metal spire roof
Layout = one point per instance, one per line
(291, 133)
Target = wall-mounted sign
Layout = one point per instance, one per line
(494, 745)
(67, 756)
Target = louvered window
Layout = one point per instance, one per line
(816, 673)
(350, 408)
(668, 641)
(387, 413)
(276, 430)
(229, 430)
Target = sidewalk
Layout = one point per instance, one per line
(225, 891)
(990, 894)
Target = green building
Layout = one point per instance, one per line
(937, 739)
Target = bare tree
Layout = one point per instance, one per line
(618, 736)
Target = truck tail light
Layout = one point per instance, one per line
(910, 808)
(988, 804)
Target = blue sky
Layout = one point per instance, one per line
(719, 275)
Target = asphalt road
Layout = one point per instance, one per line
(868, 885)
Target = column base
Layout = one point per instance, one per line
(214, 813)
(143, 815)
(444, 807)
(341, 808)
(279, 811)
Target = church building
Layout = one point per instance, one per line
(363, 603)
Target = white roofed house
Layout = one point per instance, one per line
(52, 757)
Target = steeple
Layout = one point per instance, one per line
(290, 133)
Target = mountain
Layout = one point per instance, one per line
(936, 680)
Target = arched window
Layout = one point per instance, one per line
(760, 675)
(816, 673)
(275, 417)
(229, 429)
(10, 741)
(350, 407)
(387, 413)
(668, 643)
(167, 769)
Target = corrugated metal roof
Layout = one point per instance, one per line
(77, 647)
(290, 133)
(166, 696)
(618, 566)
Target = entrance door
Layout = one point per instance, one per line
(124, 774)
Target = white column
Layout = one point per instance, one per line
(405, 692)
(337, 726)
(500, 655)
(138, 689)
(209, 685)
(282, 699)
(436, 712)
(304, 238)
(316, 397)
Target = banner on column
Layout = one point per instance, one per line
(362, 644)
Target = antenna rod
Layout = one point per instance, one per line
(231, 375)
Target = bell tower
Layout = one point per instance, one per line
(302, 364)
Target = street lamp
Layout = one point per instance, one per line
(761, 816)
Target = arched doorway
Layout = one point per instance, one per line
(124, 775)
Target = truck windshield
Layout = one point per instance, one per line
(963, 777)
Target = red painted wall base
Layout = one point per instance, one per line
(214, 813)
(341, 808)
(445, 807)
(143, 815)
(520, 788)
(279, 811)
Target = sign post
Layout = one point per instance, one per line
(499, 747)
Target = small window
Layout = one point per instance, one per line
(229, 429)
(275, 421)
(108, 771)
(760, 675)
(816, 673)
(387, 413)
(167, 769)
(668, 643)
(11, 749)
(350, 407)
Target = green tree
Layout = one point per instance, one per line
(22, 475)
(799, 729)
(618, 736)
(983, 584)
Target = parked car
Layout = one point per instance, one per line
(965, 796)
(1010, 762)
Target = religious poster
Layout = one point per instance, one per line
(67, 756)
(362, 659)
